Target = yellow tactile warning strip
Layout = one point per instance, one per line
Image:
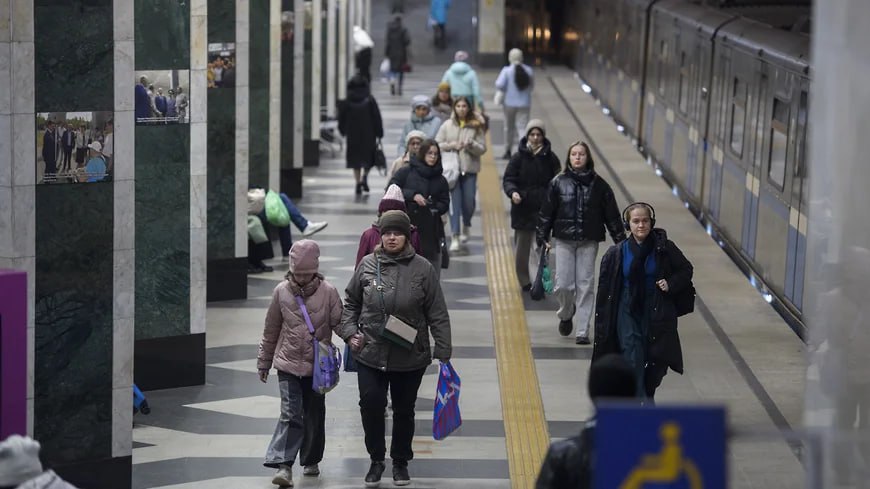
(526, 434)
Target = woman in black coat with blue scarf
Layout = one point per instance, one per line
(645, 283)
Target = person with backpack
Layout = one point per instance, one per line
(398, 41)
(514, 92)
(304, 307)
(641, 283)
(569, 463)
(359, 121)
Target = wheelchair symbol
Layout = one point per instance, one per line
(666, 466)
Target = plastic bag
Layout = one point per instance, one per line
(256, 231)
(385, 67)
(450, 167)
(540, 286)
(276, 211)
(446, 418)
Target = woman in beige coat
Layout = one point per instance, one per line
(287, 346)
(463, 134)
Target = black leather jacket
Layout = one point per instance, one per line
(568, 464)
(576, 212)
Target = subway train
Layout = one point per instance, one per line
(716, 98)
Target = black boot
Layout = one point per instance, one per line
(400, 474)
(358, 190)
(373, 478)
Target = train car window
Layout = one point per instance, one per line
(738, 115)
(663, 61)
(801, 146)
(778, 143)
(683, 96)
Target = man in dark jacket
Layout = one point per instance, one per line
(50, 145)
(568, 464)
(398, 41)
(359, 121)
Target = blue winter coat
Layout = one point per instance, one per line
(429, 124)
(438, 11)
(463, 82)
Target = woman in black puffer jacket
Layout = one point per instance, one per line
(579, 205)
(525, 182)
(427, 197)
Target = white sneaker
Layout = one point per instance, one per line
(284, 477)
(314, 227)
(454, 243)
(311, 470)
(466, 231)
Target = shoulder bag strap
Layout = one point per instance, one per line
(380, 288)
(305, 314)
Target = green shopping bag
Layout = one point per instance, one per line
(276, 211)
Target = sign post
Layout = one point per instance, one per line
(679, 447)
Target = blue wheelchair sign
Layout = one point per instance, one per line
(662, 447)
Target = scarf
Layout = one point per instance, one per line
(585, 175)
(637, 273)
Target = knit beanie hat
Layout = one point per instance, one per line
(304, 257)
(515, 56)
(420, 101)
(460, 56)
(536, 123)
(415, 134)
(445, 86)
(19, 461)
(611, 377)
(393, 200)
(395, 221)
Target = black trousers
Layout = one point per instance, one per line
(652, 378)
(403, 387)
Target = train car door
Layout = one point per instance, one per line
(797, 237)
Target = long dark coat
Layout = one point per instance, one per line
(398, 41)
(359, 121)
(419, 178)
(529, 175)
(663, 342)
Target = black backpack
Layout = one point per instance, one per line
(521, 77)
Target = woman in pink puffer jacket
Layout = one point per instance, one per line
(287, 345)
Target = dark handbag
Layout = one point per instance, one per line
(538, 289)
(445, 255)
(684, 302)
(394, 329)
(406, 68)
(379, 161)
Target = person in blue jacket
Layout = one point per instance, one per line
(463, 80)
(143, 101)
(438, 19)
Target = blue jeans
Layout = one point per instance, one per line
(462, 201)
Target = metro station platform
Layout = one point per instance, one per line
(738, 351)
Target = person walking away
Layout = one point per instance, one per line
(427, 198)
(525, 182)
(442, 102)
(359, 121)
(287, 346)
(422, 119)
(438, 21)
(635, 314)
(396, 51)
(362, 52)
(463, 80)
(393, 282)
(568, 463)
(412, 144)
(515, 82)
(20, 466)
(463, 134)
(393, 200)
(579, 205)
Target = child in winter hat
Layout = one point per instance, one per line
(304, 258)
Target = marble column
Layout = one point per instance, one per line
(331, 55)
(838, 257)
(258, 98)
(227, 159)
(17, 180)
(84, 272)
(490, 33)
(311, 141)
(291, 130)
(298, 82)
(343, 52)
(198, 165)
(274, 94)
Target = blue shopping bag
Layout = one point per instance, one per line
(447, 418)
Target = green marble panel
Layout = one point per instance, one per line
(74, 55)
(258, 137)
(222, 20)
(162, 34)
(306, 87)
(287, 100)
(162, 231)
(73, 321)
(221, 156)
(259, 45)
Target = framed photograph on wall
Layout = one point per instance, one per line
(161, 97)
(74, 147)
(221, 65)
